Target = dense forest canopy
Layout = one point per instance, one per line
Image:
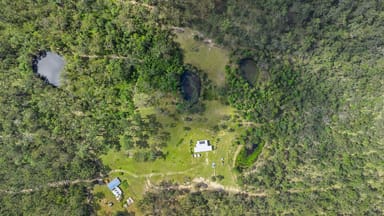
(318, 100)
(50, 134)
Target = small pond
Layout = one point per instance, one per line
(190, 86)
(248, 69)
(48, 65)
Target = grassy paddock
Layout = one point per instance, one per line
(205, 56)
(179, 165)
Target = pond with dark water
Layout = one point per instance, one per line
(190, 86)
(48, 65)
(248, 69)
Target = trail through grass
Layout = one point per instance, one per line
(180, 165)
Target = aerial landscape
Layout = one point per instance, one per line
(191, 107)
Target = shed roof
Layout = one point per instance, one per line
(114, 183)
(202, 146)
(117, 192)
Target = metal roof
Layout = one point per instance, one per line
(114, 183)
(202, 146)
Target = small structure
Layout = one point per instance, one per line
(130, 201)
(114, 183)
(202, 146)
(117, 192)
(114, 187)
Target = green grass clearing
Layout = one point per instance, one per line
(205, 56)
(179, 164)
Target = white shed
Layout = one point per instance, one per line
(202, 146)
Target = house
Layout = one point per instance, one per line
(202, 146)
(117, 192)
(114, 187)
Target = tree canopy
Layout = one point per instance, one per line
(318, 100)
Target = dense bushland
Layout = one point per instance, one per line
(320, 104)
(52, 134)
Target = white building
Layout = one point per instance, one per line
(117, 192)
(202, 146)
(114, 187)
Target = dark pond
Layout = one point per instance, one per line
(190, 86)
(48, 65)
(248, 69)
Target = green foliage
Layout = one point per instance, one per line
(246, 159)
(52, 134)
(170, 202)
(318, 99)
(253, 142)
(151, 155)
(60, 201)
(317, 103)
(155, 202)
(263, 102)
(219, 177)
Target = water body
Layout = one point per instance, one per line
(49, 66)
(248, 69)
(190, 86)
